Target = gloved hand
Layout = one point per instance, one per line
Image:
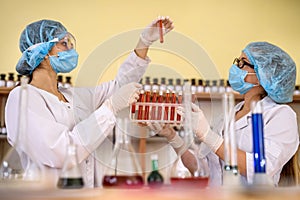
(201, 128)
(168, 132)
(161, 129)
(151, 33)
(123, 97)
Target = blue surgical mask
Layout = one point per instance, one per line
(65, 61)
(237, 79)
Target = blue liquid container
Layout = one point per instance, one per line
(258, 138)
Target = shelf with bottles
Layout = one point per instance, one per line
(203, 90)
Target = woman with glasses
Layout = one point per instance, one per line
(82, 116)
(263, 72)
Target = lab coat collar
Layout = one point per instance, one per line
(267, 103)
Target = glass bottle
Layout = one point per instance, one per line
(155, 179)
(228, 87)
(163, 86)
(155, 86)
(18, 82)
(193, 86)
(60, 81)
(70, 177)
(170, 86)
(2, 80)
(207, 88)
(68, 82)
(296, 91)
(178, 86)
(124, 170)
(200, 87)
(11, 80)
(214, 87)
(221, 86)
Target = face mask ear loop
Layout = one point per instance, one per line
(253, 73)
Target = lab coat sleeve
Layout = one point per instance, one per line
(46, 140)
(131, 70)
(281, 141)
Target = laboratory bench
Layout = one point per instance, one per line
(165, 193)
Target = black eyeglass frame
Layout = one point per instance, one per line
(237, 62)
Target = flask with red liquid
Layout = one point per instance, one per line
(124, 170)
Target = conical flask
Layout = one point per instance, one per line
(124, 171)
(180, 176)
(70, 177)
(19, 168)
(183, 178)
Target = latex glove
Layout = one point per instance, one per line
(168, 132)
(151, 33)
(161, 129)
(123, 97)
(201, 128)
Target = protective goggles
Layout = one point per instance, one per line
(68, 42)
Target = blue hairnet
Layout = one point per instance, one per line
(36, 42)
(275, 69)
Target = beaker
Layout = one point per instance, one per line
(124, 170)
(70, 177)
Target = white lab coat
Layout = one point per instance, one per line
(83, 120)
(281, 140)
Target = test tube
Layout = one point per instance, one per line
(147, 107)
(141, 107)
(178, 119)
(161, 34)
(230, 149)
(133, 110)
(173, 101)
(154, 99)
(167, 100)
(160, 101)
(258, 138)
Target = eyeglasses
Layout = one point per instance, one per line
(241, 63)
(68, 42)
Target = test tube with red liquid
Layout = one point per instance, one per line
(178, 119)
(173, 101)
(159, 101)
(141, 107)
(167, 100)
(161, 35)
(153, 109)
(147, 100)
(133, 106)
